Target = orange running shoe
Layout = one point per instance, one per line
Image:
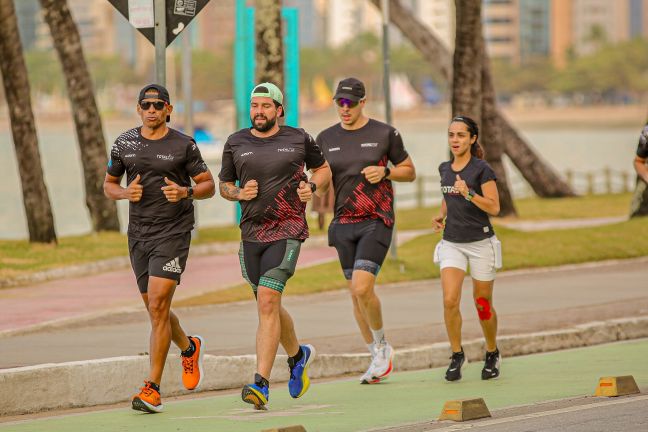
(148, 400)
(192, 366)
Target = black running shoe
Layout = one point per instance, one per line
(454, 370)
(491, 365)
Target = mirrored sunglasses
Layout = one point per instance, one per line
(341, 102)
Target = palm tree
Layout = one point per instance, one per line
(40, 221)
(89, 130)
(540, 176)
(269, 42)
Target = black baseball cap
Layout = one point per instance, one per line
(160, 93)
(350, 88)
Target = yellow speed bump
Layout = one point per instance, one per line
(464, 410)
(616, 386)
(297, 428)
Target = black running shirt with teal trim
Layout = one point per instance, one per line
(642, 147)
(177, 157)
(465, 221)
(348, 152)
(277, 164)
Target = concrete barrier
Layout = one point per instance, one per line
(112, 380)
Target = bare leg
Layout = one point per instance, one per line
(269, 329)
(483, 296)
(160, 294)
(178, 335)
(288, 337)
(366, 304)
(451, 282)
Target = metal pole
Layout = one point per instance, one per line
(186, 82)
(160, 42)
(393, 250)
(188, 102)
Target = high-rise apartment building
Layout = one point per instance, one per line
(501, 21)
(597, 22)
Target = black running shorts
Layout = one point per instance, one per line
(360, 246)
(164, 258)
(269, 264)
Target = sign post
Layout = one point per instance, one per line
(160, 42)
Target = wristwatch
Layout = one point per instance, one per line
(387, 172)
(313, 186)
(190, 192)
(471, 194)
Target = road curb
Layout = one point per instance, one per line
(74, 384)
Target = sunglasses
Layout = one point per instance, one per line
(158, 105)
(341, 102)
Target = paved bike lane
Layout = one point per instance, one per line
(345, 405)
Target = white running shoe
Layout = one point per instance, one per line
(381, 365)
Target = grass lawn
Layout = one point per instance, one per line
(18, 257)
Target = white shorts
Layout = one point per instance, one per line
(483, 256)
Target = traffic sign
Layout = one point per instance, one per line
(140, 13)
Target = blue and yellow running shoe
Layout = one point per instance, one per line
(257, 394)
(299, 382)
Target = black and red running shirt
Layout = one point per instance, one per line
(348, 152)
(277, 164)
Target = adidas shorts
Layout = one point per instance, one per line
(269, 264)
(483, 256)
(164, 258)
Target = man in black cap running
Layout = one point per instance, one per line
(358, 150)
(268, 161)
(159, 163)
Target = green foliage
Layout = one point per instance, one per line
(620, 67)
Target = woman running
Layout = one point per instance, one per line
(469, 197)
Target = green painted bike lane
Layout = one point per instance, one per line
(345, 405)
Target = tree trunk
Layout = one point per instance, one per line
(492, 136)
(269, 42)
(40, 221)
(542, 178)
(87, 120)
(467, 61)
(639, 206)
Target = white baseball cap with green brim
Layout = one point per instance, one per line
(270, 90)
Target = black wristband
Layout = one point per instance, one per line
(190, 192)
(387, 173)
(313, 186)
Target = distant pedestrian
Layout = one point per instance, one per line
(470, 195)
(159, 163)
(268, 161)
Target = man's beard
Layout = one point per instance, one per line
(269, 124)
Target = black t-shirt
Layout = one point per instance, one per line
(642, 147)
(277, 164)
(348, 152)
(176, 156)
(465, 221)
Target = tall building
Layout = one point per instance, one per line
(535, 34)
(347, 19)
(501, 21)
(597, 22)
(638, 10)
(561, 32)
(439, 17)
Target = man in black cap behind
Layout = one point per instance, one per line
(159, 163)
(358, 150)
